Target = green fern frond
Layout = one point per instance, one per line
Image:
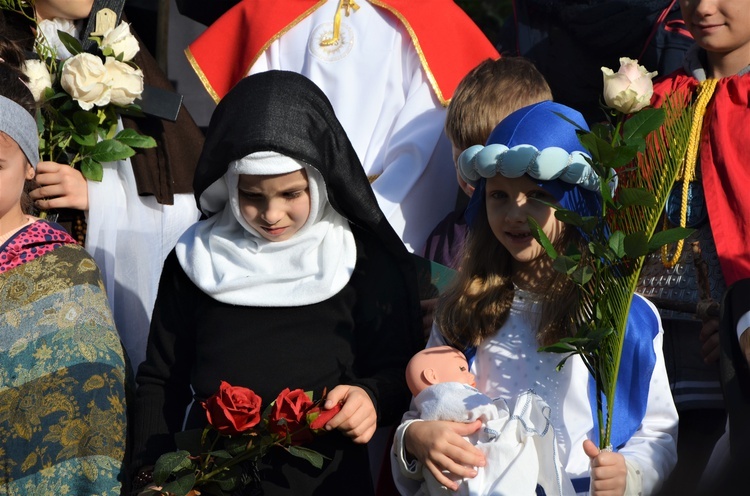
(656, 170)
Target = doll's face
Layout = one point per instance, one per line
(63, 9)
(510, 201)
(721, 26)
(276, 206)
(14, 171)
(437, 365)
(452, 367)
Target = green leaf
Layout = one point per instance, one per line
(636, 244)
(541, 238)
(565, 264)
(236, 445)
(91, 169)
(599, 251)
(569, 217)
(111, 150)
(85, 122)
(170, 463)
(616, 243)
(603, 131)
(582, 275)
(86, 140)
(636, 196)
(669, 236)
(134, 139)
(601, 151)
(589, 224)
(557, 348)
(637, 127)
(575, 124)
(315, 458)
(181, 486)
(70, 42)
(224, 454)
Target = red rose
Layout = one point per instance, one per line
(233, 410)
(318, 418)
(288, 415)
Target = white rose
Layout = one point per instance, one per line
(125, 82)
(39, 78)
(48, 29)
(84, 77)
(120, 41)
(630, 88)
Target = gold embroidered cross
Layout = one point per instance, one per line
(346, 6)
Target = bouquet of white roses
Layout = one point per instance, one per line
(82, 94)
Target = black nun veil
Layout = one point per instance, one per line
(285, 112)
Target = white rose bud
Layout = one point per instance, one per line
(125, 82)
(121, 41)
(39, 78)
(85, 79)
(630, 88)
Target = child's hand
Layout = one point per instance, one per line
(608, 471)
(357, 418)
(60, 186)
(440, 446)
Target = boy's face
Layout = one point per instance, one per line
(64, 9)
(721, 26)
(465, 187)
(14, 171)
(276, 206)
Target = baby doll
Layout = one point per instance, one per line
(520, 448)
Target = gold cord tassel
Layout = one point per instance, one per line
(687, 174)
(344, 5)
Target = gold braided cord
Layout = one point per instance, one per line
(687, 173)
(344, 5)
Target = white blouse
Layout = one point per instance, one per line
(508, 364)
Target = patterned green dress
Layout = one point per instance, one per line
(62, 370)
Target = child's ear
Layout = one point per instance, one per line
(429, 376)
(30, 172)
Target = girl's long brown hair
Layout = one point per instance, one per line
(477, 303)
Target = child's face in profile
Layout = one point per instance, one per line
(63, 9)
(276, 206)
(14, 171)
(465, 187)
(721, 26)
(510, 201)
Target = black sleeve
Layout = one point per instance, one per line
(388, 330)
(205, 12)
(164, 392)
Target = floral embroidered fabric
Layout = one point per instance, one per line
(62, 370)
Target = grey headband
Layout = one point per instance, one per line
(16, 122)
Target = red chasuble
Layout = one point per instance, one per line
(724, 156)
(448, 42)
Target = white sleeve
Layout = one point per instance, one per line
(652, 450)
(417, 186)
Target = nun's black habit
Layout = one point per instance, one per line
(363, 335)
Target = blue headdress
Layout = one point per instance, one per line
(538, 142)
